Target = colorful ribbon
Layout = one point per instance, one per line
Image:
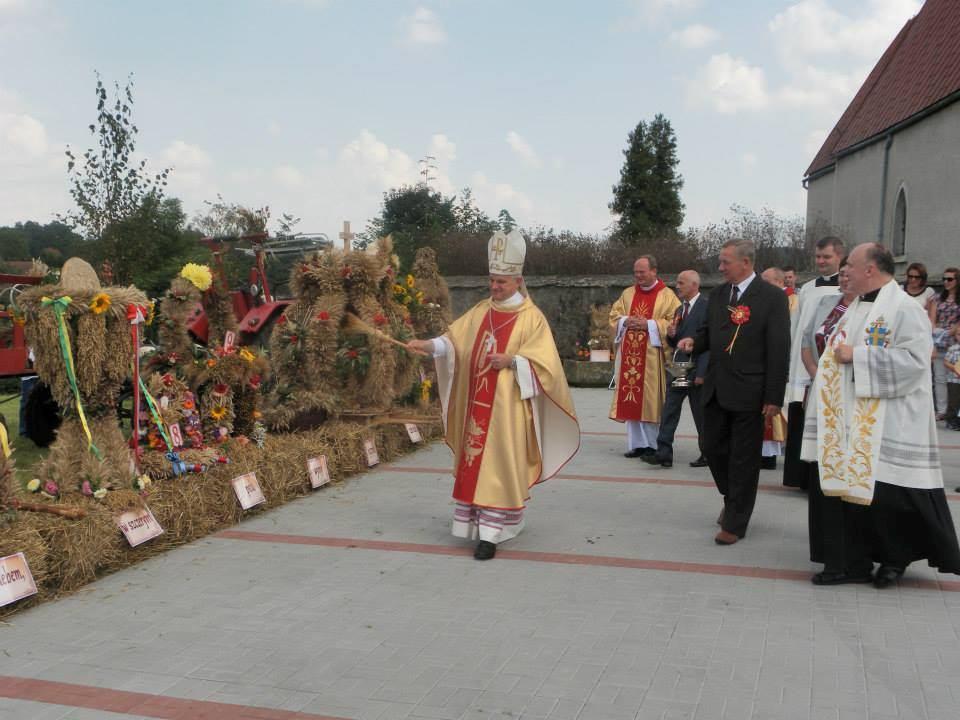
(155, 413)
(59, 306)
(135, 316)
(4, 442)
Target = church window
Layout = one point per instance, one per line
(900, 225)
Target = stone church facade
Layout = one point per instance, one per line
(890, 169)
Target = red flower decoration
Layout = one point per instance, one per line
(323, 316)
(255, 381)
(352, 354)
(739, 315)
(346, 271)
(167, 379)
(282, 320)
(220, 389)
(380, 319)
(294, 338)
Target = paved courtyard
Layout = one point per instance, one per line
(614, 603)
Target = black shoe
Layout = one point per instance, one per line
(886, 575)
(699, 462)
(485, 550)
(839, 578)
(650, 458)
(666, 463)
(636, 452)
(768, 462)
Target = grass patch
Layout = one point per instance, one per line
(26, 453)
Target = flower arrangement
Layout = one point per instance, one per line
(739, 315)
(100, 303)
(353, 357)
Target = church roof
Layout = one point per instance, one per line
(919, 69)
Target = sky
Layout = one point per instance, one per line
(316, 107)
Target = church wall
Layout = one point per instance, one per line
(924, 158)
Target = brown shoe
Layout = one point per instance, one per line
(725, 538)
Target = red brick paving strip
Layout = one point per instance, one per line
(617, 479)
(694, 437)
(558, 558)
(135, 703)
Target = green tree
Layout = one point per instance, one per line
(416, 216)
(505, 221)
(107, 184)
(647, 198)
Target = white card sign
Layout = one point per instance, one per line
(229, 338)
(414, 432)
(370, 448)
(176, 435)
(248, 490)
(318, 471)
(164, 402)
(16, 581)
(138, 526)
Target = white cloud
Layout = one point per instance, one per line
(813, 28)
(274, 129)
(814, 141)
(288, 176)
(442, 148)
(186, 157)
(694, 36)
(373, 161)
(729, 85)
(424, 28)
(653, 12)
(522, 149)
(492, 196)
(749, 160)
(22, 133)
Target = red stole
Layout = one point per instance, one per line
(633, 356)
(492, 338)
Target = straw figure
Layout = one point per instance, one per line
(82, 336)
(6, 476)
(431, 315)
(338, 349)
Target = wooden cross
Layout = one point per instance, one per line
(346, 236)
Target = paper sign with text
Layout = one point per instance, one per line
(138, 526)
(414, 432)
(16, 582)
(176, 435)
(229, 339)
(248, 490)
(370, 448)
(318, 472)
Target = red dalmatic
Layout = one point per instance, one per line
(490, 339)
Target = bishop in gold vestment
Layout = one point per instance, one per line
(508, 416)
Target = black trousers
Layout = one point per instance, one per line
(670, 418)
(732, 441)
(796, 472)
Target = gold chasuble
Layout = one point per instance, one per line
(641, 383)
(508, 429)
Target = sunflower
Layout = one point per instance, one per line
(100, 303)
(247, 355)
(199, 275)
(218, 413)
(411, 281)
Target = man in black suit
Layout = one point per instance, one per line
(688, 318)
(748, 336)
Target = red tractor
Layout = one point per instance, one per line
(254, 306)
(13, 350)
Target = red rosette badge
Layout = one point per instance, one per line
(739, 315)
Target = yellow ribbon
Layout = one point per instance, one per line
(59, 306)
(4, 442)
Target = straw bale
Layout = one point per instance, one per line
(218, 306)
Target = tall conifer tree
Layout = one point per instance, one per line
(647, 198)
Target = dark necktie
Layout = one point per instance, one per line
(686, 310)
(734, 294)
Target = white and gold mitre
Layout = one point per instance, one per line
(506, 253)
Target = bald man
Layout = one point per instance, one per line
(687, 320)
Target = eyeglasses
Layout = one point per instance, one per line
(916, 277)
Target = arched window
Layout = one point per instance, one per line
(900, 225)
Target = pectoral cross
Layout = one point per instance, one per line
(346, 236)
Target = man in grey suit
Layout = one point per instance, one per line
(690, 316)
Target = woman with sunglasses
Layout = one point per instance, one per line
(944, 314)
(916, 285)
